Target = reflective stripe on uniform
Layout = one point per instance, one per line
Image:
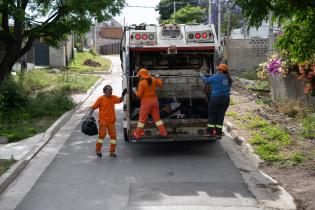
(140, 125)
(100, 141)
(210, 126)
(112, 141)
(219, 126)
(158, 123)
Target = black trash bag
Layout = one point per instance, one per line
(89, 126)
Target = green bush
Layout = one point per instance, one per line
(12, 96)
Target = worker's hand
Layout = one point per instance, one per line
(124, 92)
(201, 74)
(157, 76)
(134, 89)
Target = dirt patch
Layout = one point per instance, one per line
(298, 180)
(90, 62)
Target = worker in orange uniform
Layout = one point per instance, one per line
(107, 118)
(149, 103)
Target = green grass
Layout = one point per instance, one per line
(231, 114)
(5, 165)
(77, 63)
(308, 127)
(31, 102)
(41, 79)
(23, 129)
(259, 85)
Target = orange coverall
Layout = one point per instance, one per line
(149, 105)
(107, 119)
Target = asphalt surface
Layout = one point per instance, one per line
(66, 174)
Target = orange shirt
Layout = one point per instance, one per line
(106, 107)
(148, 92)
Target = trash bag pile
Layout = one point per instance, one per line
(89, 126)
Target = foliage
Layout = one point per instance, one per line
(49, 21)
(12, 96)
(282, 63)
(308, 126)
(297, 19)
(32, 102)
(236, 20)
(5, 165)
(166, 7)
(77, 63)
(188, 15)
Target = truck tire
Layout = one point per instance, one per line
(126, 136)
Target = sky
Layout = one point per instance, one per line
(136, 15)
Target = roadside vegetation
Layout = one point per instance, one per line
(5, 165)
(30, 102)
(276, 142)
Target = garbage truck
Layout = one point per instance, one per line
(177, 53)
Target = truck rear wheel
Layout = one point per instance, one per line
(126, 136)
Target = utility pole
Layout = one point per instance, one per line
(219, 21)
(209, 12)
(271, 37)
(174, 3)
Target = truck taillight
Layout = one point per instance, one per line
(138, 36)
(151, 36)
(200, 36)
(143, 38)
(197, 35)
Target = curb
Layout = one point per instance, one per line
(285, 200)
(9, 176)
(246, 148)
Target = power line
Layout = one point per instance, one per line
(141, 6)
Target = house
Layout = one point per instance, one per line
(45, 55)
(105, 34)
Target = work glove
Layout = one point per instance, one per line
(157, 76)
(201, 74)
(124, 92)
(134, 89)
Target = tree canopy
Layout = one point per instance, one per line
(166, 7)
(296, 17)
(188, 14)
(23, 21)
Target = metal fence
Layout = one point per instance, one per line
(110, 49)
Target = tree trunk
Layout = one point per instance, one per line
(11, 55)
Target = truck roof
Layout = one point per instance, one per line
(181, 36)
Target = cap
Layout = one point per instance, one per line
(144, 73)
(222, 67)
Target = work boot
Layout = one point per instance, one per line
(138, 133)
(162, 130)
(112, 155)
(99, 154)
(210, 132)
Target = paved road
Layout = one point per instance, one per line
(66, 174)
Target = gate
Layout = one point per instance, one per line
(110, 49)
(41, 54)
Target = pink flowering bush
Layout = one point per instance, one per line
(282, 64)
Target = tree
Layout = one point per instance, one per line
(297, 17)
(166, 7)
(23, 21)
(188, 14)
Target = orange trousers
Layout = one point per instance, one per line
(149, 106)
(102, 131)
